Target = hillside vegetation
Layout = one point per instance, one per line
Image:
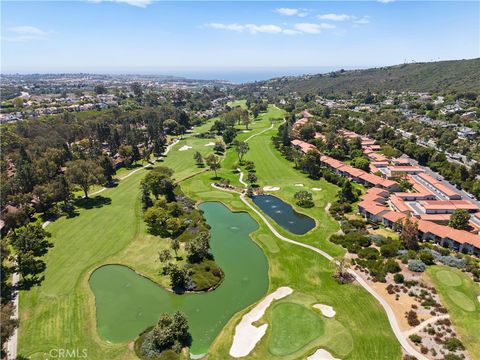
(456, 75)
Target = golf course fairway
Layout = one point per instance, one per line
(127, 303)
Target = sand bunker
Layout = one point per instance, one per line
(271, 188)
(325, 309)
(298, 184)
(246, 335)
(209, 144)
(184, 147)
(321, 354)
(316, 189)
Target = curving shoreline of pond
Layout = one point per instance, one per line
(127, 303)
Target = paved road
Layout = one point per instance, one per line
(402, 339)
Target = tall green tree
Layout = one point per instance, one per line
(409, 234)
(459, 219)
(347, 193)
(241, 148)
(213, 162)
(84, 173)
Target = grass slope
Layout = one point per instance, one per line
(459, 75)
(459, 295)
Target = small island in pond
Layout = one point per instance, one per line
(171, 215)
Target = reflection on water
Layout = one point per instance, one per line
(285, 216)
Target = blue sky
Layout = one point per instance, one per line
(151, 36)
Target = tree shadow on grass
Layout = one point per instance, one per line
(28, 283)
(133, 166)
(93, 203)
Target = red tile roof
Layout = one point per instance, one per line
(377, 157)
(351, 170)
(406, 169)
(435, 217)
(334, 163)
(402, 161)
(304, 146)
(394, 216)
(388, 183)
(372, 179)
(372, 207)
(443, 231)
(399, 204)
(378, 191)
(447, 204)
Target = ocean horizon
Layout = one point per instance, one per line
(233, 75)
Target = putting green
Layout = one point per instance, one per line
(461, 300)
(449, 278)
(293, 327)
(128, 303)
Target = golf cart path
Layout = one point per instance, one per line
(401, 337)
(425, 323)
(169, 147)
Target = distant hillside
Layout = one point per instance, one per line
(455, 75)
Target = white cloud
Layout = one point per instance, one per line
(250, 28)
(25, 33)
(311, 28)
(137, 3)
(362, 21)
(291, 32)
(334, 17)
(291, 12)
(287, 11)
(27, 30)
(385, 1)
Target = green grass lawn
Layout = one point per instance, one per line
(459, 295)
(242, 103)
(61, 312)
(303, 270)
(293, 327)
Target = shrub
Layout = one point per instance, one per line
(391, 266)
(389, 250)
(304, 199)
(398, 278)
(412, 318)
(378, 239)
(340, 208)
(427, 258)
(453, 357)
(429, 302)
(368, 253)
(452, 261)
(454, 344)
(417, 339)
(416, 266)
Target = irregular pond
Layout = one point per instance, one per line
(284, 214)
(128, 303)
